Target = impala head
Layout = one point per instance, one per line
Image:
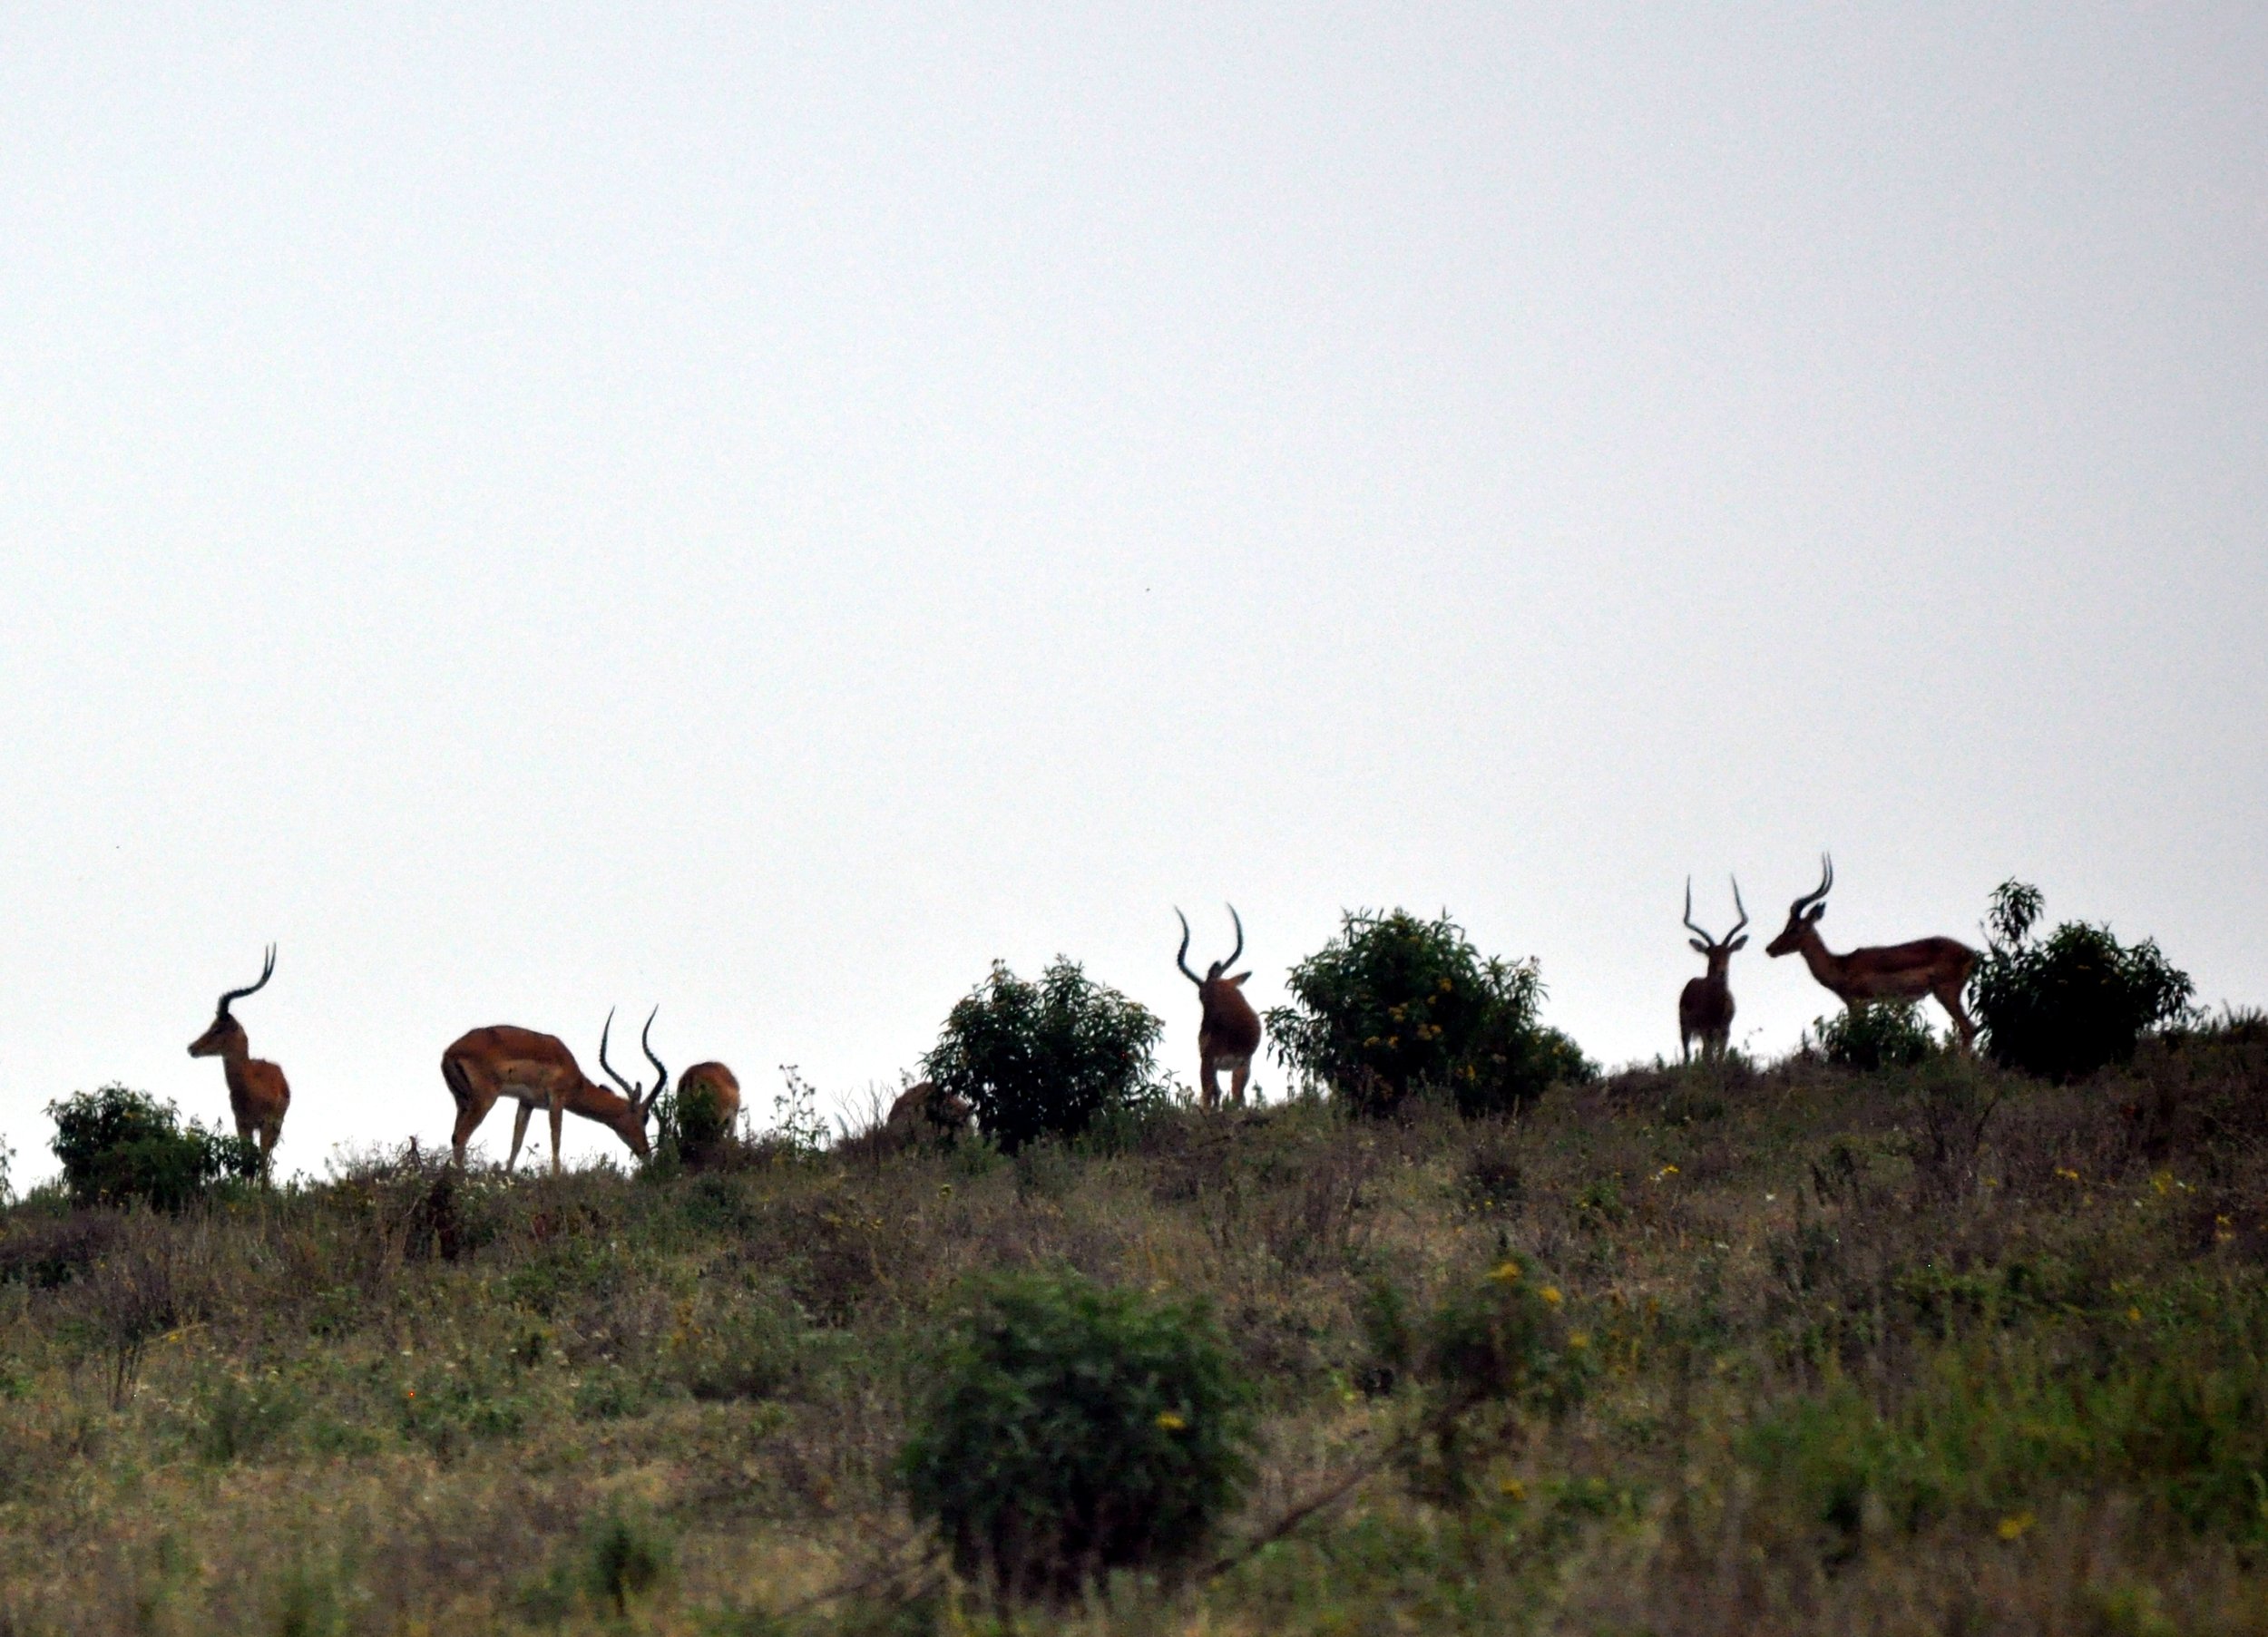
(631, 1126)
(1213, 972)
(1716, 950)
(226, 1036)
(1804, 913)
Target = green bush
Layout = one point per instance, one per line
(1045, 1058)
(1070, 1429)
(2074, 1002)
(1394, 1003)
(1890, 1034)
(119, 1146)
(1490, 1356)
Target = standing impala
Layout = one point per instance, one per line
(1705, 1007)
(502, 1061)
(1896, 971)
(1228, 1032)
(257, 1095)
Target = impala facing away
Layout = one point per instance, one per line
(502, 1061)
(715, 1081)
(1228, 1033)
(1897, 971)
(257, 1095)
(1705, 1007)
(923, 1111)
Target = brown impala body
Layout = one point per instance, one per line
(257, 1095)
(715, 1081)
(925, 1110)
(539, 1071)
(1705, 1007)
(1895, 971)
(1228, 1029)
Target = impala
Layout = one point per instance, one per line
(924, 1109)
(503, 1061)
(1705, 1007)
(257, 1095)
(1897, 971)
(1228, 1031)
(719, 1085)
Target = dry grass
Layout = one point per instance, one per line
(1926, 1350)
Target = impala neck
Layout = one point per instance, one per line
(1826, 964)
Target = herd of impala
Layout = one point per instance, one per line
(537, 1070)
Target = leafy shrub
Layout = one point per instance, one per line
(119, 1146)
(1890, 1034)
(623, 1556)
(1070, 1430)
(1395, 1002)
(1045, 1058)
(1487, 1357)
(2071, 1004)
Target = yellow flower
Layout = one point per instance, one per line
(2067, 1174)
(1579, 1340)
(1171, 1422)
(2014, 1525)
(2133, 1315)
(1552, 1294)
(1505, 1272)
(1512, 1489)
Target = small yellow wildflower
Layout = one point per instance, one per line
(1171, 1422)
(2015, 1525)
(1552, 1294)
(2133, 1315)
(2162, 1181)
(2067, 1174)
(1579, 1340)
(1512, 1489)
(1505, 1272)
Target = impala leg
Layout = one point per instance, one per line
(1964, 1026)
(1242, 1072)
(558, 1112)
(1208, 1076)
(519, 1131)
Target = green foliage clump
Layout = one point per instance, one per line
(2073, 1002)
(1071, 1428)
(119, 1146)
(1889, 1034)
(1395, 1002)
(1046, 1058)
(1489, 1357)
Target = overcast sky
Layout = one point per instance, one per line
(765, 510)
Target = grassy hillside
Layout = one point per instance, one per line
(1928, 1349)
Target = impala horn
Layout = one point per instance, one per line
(1181, 955)
(661, 1075)
(1826, 880)
(266, 972)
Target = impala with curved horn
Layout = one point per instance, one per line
(1896, 971)
(1228, 1030)
(1704, 1006)
(503, 1061)
(257, 1095)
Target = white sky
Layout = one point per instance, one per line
(764, 510)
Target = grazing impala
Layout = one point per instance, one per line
(502, 1061)
(1897, 971)
(1228, 1032)
(257, 1096)
(708, 1110)
(1705, 1009)
(925, 1110)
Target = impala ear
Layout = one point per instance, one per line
(1817, 910)
(1698, 947)
(1239, 978)
(1740, 942)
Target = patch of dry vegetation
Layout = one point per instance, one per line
(1927, 1349)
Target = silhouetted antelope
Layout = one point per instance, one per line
(1897, 971)
(503, 1061)
(1705, 1007)
(257, 1095)
(1228, 1031)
